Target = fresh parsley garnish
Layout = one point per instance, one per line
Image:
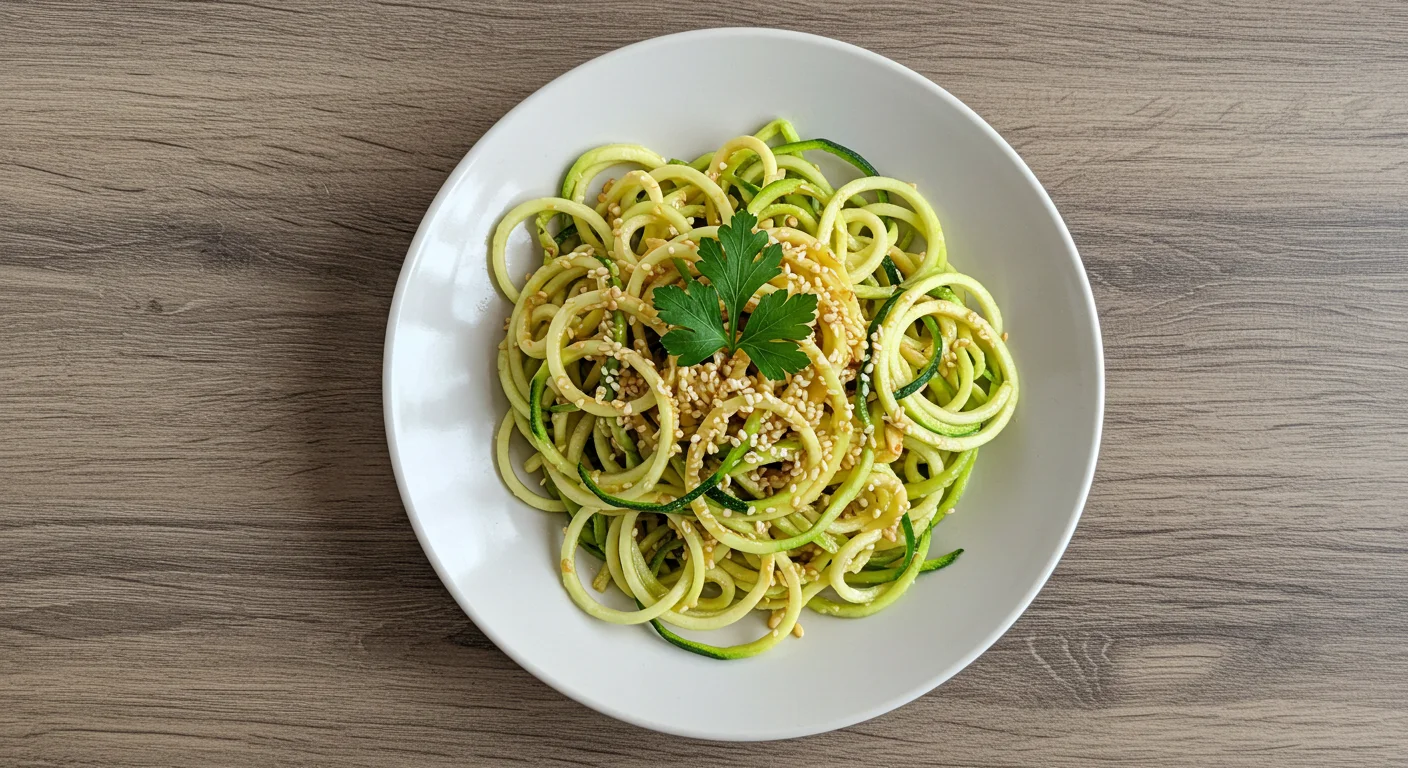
(695, 309)
(736, 272)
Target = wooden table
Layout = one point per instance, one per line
(204, 559)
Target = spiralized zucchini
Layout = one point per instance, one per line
(710, 493)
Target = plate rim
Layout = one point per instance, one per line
(922, 685)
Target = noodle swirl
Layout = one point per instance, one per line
(710, 492)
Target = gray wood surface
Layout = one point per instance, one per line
(203, 209)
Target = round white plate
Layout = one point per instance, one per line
(498, 557)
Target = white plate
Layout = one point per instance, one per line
(683, 95)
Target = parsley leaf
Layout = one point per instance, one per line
(738, 279)
(694, 309)
(769, 338)
(736, 271)
(729, 265)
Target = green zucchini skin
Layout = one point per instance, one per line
(641, 506)
(702, 649)
(930, 368)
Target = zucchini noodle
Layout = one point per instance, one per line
(708, 492)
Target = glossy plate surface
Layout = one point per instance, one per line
(498, 557)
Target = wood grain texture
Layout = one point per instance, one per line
(203, 210)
